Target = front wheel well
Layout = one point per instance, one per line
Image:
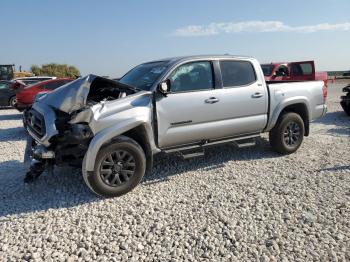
(139, 134)
(300, 109)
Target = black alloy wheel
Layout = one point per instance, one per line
(291, 134)
(117, 168)
(288, 133)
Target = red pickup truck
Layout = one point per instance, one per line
(293, 71)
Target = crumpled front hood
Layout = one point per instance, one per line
(73, 96)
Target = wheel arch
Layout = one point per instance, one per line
(139, 134)
(139, 131)
(300, 107)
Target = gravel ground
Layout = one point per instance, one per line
(232, 205)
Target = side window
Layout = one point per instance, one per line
(237, 73)
(3, 85)
(306, 68)
(302, 69)
(52, 85)
(192, 76)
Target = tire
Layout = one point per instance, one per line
(288, 134)
(346, 107)
(119, 168)
(12, 101)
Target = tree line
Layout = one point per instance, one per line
(53, 69)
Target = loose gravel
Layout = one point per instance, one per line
(231, 205)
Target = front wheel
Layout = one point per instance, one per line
(288, 134)
(12, 101)
(119, 168)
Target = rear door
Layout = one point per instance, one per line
(243, 99)
(302, 71)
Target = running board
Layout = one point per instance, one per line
(191, 155)
(245, 143)
(204, 144)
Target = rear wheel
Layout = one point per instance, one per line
(288, 134)
(119, 167)
(12, 101)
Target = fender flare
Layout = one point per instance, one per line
(104, 136)
(280, 107)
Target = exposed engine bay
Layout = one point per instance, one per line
(103, 89)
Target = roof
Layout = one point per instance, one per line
(173, 60)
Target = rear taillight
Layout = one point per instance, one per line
(324, 92)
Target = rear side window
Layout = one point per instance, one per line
(302, 69)
(53, 85)
(237, 73)
(3, 85)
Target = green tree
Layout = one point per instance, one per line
(53, 69)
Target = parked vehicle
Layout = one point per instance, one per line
(346, 73)
(25, 96)
(7, 94)
(293, 71)
(34, 79)
(6, 72)
(18, 85)
(345, 100)
(179, 105)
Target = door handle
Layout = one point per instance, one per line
(211, 100)
(257, 95)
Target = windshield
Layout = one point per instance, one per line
(267, 69)
(144, 76)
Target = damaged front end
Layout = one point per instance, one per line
(62, 124)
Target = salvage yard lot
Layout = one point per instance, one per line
(233, 204)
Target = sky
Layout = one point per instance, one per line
(109, 37)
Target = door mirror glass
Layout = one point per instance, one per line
(164, 87)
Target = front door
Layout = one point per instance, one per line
(187, 113)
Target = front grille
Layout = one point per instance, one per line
(35, 122)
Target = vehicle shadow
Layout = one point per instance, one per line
(215, 158)
(344, 131)
(10, 117)
(62, 189)
(65, 187)
(334, 118)
(12, 134)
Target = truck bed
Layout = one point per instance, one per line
(283, 93)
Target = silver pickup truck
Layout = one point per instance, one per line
(177, 105)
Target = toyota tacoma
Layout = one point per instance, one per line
(112, 129)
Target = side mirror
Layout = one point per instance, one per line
(164, 87)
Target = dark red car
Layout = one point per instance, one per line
(25, 97)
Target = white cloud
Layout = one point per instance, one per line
(256, 26)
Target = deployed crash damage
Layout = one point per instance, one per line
(64, 123)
